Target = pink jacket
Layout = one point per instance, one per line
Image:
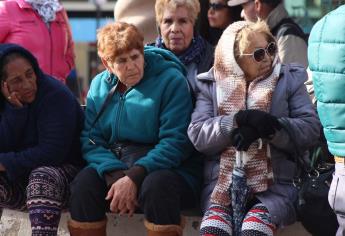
(53, 48)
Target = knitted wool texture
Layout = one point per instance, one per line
(233, 96)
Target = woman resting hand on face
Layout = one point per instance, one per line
(250, 95)
(40, 124)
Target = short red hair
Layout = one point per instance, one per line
(117, 38)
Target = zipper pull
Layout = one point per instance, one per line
(91, 141)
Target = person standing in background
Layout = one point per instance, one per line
(326, 55)
(22, 21)
(292, 45)
(220, 15)
(141, 14)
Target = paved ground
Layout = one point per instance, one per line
(15, 223)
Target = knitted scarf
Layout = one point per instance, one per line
(46, 8)
(233, 95)
(192, 54)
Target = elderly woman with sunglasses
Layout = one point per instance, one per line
(248, 95)
(220, 16)
(176, 21)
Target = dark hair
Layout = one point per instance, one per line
(271, 3)
(3, 74)
(235, 12)
(7, 59)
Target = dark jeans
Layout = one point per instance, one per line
(162, 195)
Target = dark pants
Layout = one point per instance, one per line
(162, 195)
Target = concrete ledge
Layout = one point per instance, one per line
(16, 223)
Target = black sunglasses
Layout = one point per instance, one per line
(217, 6)
(259, 53)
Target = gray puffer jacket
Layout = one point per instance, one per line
(209, 133)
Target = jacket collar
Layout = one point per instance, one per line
(23, 4)
(277, 15)
(207, 76)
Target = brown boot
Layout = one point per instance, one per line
(77, 228)
(164, 230)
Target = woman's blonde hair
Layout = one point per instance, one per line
(192, 6)
(244, 36)
(118, 38)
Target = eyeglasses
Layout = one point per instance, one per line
(259, 53)
(217, 6)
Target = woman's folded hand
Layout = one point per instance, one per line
(242, 137)
(265, 123)
(123, 196)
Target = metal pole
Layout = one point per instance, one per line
(98, 15)
(98, 24)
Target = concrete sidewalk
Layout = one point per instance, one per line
(15, 223)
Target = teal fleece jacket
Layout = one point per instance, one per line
(155, 111)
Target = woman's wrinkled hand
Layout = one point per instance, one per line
(123, 196)
(11, 97)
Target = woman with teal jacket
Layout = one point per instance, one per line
(326, 54)
(135, 138)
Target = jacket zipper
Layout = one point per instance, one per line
(51, 50)
(121, 105)
(118, 114)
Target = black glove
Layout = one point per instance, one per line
(241, 138)
(265, 123)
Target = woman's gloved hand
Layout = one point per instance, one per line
(241, 138)
(263, 122)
